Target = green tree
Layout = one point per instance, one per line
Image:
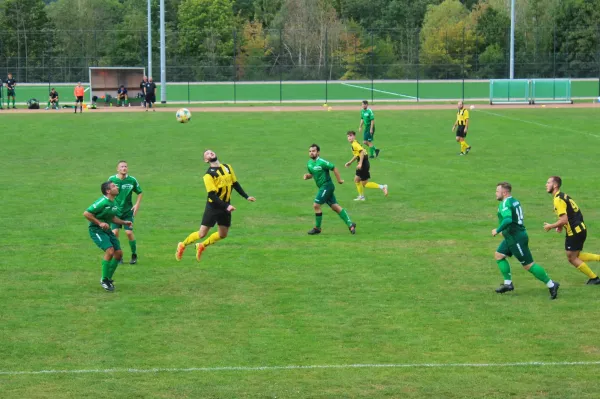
(27, 37)
(578, 38)
(206, 33)
(447, 41)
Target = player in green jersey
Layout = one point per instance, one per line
(127, 211)
(516, 242)
(367, 120)
(318, 168)
(100, 214)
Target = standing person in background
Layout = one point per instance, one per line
(79, 92)
(367, 120)
(10, 90)
(143, 90)
(150, 93)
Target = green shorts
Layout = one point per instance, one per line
(367, 136)
(128, 217)
(10, 92)
(326, 196)
(104, 239)
(519, 248)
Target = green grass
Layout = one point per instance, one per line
(414, 286)
(320, 91)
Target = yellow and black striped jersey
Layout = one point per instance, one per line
(565, 205)
(462, 116)
(220, 180)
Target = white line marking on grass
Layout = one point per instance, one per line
(86, 89)
(308, 367)
(380, 91)
(539, 124)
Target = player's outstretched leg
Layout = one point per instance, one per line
(212, 239)
(382, 187)
(195, 236)
(539, 273)
(318, 221)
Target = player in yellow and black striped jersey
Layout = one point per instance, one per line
(462, 126)
(220, 181)
(571, 219)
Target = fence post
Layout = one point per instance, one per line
(234, 67)
(598, 57)
(280, 66)
(326, 77)
(418, 61)
(554, 53)
(372, 73)
(463, 64)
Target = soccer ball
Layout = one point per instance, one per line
(183, 115)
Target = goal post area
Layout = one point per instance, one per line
(107, 80)
(530, 91)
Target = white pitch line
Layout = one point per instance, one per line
(380, 91)
(309, 367)
(538, 124)
(86, 89)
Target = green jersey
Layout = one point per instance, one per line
(320, 168)
(127, 187)
(367, 116)
(510, 217)
(103, 209)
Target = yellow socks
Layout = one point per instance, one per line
(360, 189)
(191, 238)
(583, 268)
(463, 146)
(584, 256)
(371, 185)
(213, 238)
(465, 143)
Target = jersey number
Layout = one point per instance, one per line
(519, 212)
(574, 205)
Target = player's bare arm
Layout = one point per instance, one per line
(372, 126)
(336, 172)
(466, 125)
(361, 159)
(361, 125)
(347, 164)
(558, 225)
(307, 176)
(136, 207)
(122, 222)
(92, 218)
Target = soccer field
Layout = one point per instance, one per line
(404, 308)
(313, 91)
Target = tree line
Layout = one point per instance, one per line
(214, 40)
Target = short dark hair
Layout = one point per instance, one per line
(122, 160)
(105, 187)
(557, 180)
(505, 185)
(365, 102)
(351, 133)
(315, 146)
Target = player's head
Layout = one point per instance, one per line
(365, 104)
(503, 190)
(210, 156)
(78, 83)
(10, 75)
(460, 105)
(314, 150)
(149, 78)
(122, 167)
(351, 135)
(122, 86)
(553, 184)
(53, 89)
(109, 187)
(145, 77)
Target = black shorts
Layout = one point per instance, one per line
(79, 99)
(460, 131)
(214, 216)
(576, 241)
(364, 173)
(150, 98)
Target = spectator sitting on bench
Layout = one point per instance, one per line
(122, 98)
(53, 99)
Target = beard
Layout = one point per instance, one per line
(212, 159)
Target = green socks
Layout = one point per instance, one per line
(319, 219)
(539, 273)
(113, 267)
(504, 269)
(344, 216)
(105, 269)
(133, 246)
